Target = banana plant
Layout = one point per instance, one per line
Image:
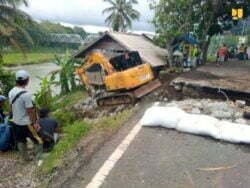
(44, 97)
(66, 72)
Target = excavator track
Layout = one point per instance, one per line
(116, 99)
(128, 97)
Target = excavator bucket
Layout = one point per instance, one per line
(145, 89)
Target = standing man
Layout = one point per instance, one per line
(194, 55)
(24, 116)
(222, 54)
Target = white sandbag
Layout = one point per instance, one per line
(167, 117)
(198, 124)
(233, 132)
(173, 117)
(245, 133)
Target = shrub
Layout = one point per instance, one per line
(7, 81)
(44, 98)
(64, 117)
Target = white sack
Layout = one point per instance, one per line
(198, 124)
(173, 117)
(167, 117)
(233, 132)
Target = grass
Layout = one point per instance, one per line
(30, 58)
(66, 102)
(211, 58)
(73, 132)
(111, 123)
(70, 99)
(34, 56)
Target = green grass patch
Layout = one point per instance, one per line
(66, 102)
(211, 59)
(111, 123)
(69, 99)
(12, 59)
(71, 134)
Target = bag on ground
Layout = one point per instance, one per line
(167, 117)
(198, 124)
(233, 132)
(5, 137)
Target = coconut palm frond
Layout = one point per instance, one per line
(121, 14)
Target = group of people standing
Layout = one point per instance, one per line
(25, 121)
(188, 56)
(223, 53)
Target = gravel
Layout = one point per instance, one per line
(229, 111)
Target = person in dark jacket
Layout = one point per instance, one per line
(49, 129)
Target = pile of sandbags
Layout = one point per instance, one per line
(175, 118)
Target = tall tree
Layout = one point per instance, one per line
(203, 18)
(121, 14)
(172, 18)
(11, 20)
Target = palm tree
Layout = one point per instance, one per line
(11, 20)
(121, 14)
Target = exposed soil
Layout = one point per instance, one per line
(14, 173)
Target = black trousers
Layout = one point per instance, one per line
(23, 132)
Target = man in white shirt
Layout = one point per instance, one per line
(24, 115)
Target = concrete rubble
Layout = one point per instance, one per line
(222, 110)
(89, 110)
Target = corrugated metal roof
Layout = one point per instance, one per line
(148, 51)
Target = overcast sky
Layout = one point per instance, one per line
(87, 13)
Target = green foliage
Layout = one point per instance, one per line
(17, 58)
(40, 32)
(121, 14)
(11, 25)
(66, 102)
(201, 18)
(7, 81)
(44, 98)
(69, 99)
(172, 18)
(80, 31)
(71, 134)
(218, 40)
(63, 117)
(66, 72)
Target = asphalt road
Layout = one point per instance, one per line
(164, 158)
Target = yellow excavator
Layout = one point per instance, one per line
(121, 79)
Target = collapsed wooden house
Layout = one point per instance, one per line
(111, 43)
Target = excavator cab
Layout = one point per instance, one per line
(126, 61)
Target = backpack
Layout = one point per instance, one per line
(5, 137)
